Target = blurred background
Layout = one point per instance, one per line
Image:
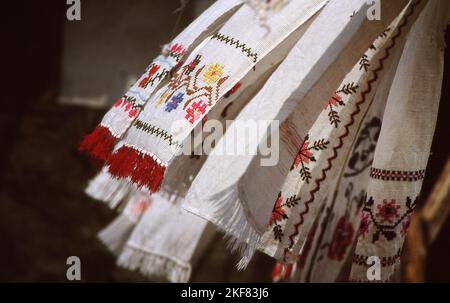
(59, 79)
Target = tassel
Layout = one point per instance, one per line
(99, 144)
(142, 169)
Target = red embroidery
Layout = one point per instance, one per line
(305, 156)
(342, 238)
(277, 213)
(151, 71)
(364, 225)
(196, 110)
(388, 211)
(128, 106)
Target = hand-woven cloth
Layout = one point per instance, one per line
(239, 202)
(325, 146)
(166, 243)
(331, 239)
(403, 148)
(117, 233)
(210, 71)
(100, 143)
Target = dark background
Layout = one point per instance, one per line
(44, 214)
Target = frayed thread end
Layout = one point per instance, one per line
(142, 169)
(154, 266)
(116, 234)
(99, 144)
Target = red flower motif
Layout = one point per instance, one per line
(334, 101)
(195, 112)
(304, 155)
(278, 213)
(388, 211)
(364, 225)
(342, 238)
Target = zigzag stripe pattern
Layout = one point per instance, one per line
(236, 43)
(396, 175)
(156, 131)
(347, 127)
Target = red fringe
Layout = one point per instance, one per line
(99, 144)
(143, 170)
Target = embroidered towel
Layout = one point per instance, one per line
(117, 233)
(403, 149)
(100, 143)
(220, 199)
(325, 146)
(166, 243)
(157, 135)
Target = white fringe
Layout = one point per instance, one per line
(154, 265)
(227, 213)
(117, 233)
(107, 189)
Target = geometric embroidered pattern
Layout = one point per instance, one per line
(153, 130)
(385, 261)
(387, 216)
(236, 43)
(318, 181)
(396, 175)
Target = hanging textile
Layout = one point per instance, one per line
(356, 102)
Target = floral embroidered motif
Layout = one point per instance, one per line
(186, 78)
(196, 111)
(333, 115)
(336, 101)
(388, 211)
(305, 156)
(342, 239)
(279, 214)
(127, 104)
(213, 74)
(175, 101)
(388, 217)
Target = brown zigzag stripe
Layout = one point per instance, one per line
(156, 131)
(347, 127)
(396, 175)
(236, 43)
(385, 261)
